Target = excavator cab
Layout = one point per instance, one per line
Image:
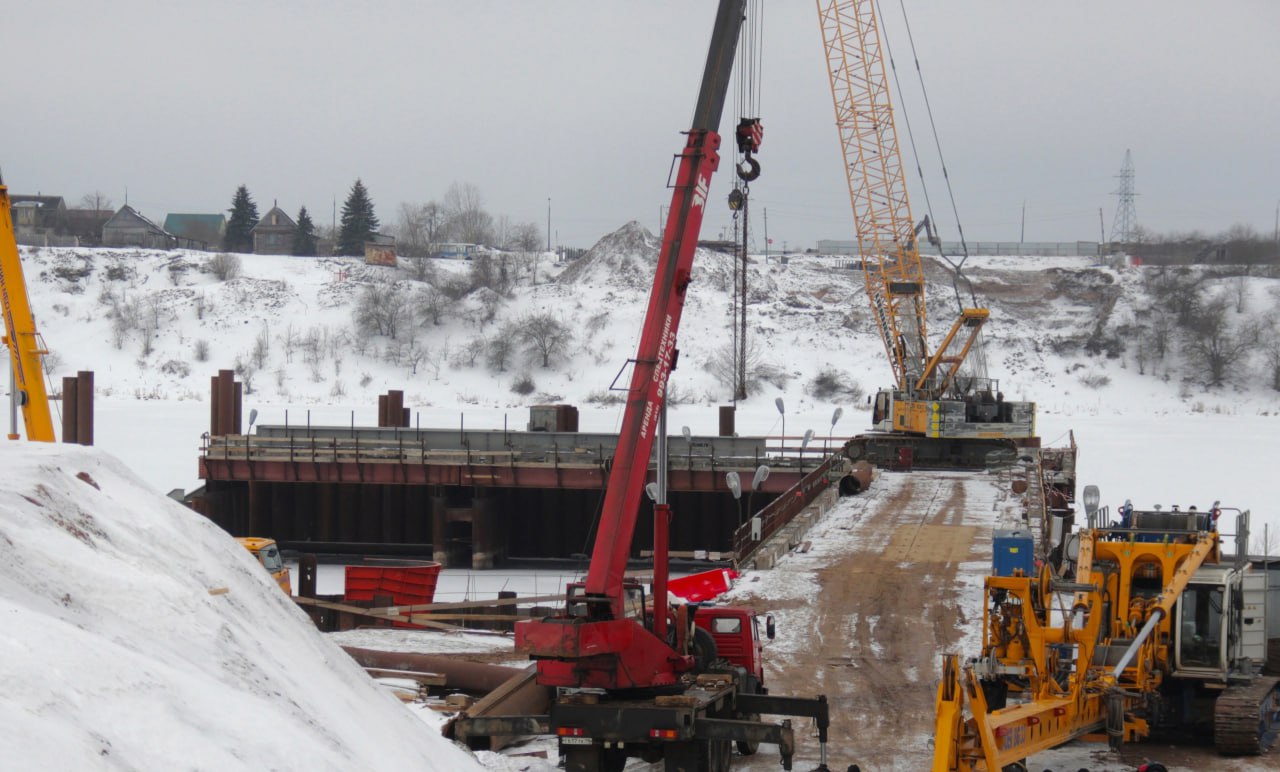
(1200, 629)
(268, 554)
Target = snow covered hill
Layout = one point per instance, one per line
(1081, 340)
(157, 325)
(137, 635)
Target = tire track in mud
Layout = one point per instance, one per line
(878, 622)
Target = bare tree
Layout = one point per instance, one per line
(261, 348)
(724, 366)
(421, 269)
(544, 336)
(1271, 354)
(419, 226)
(383, 309)
(1161, 335)
(500, 347)
(1211, 345)
(467, 354)
(289, 340)
(410, 239)
(432, 304)
(1178, 291)
(97, 200)
(525, 237)
(464, 212)
(502, 232)
(224, 266)
(1240, 289)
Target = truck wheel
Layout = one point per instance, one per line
(749, 747)
(704, 650)
(613, 760)
(593, 759)
(716, 756)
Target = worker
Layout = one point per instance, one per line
(1126, 512)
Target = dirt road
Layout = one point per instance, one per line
(865, 614)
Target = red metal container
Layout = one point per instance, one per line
(406, 585)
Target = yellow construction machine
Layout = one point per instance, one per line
(942, 408)
(1154, 633)
(267, 553)
(26, 347)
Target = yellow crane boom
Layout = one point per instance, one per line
(931, 397)
(26, 347)
(877, 189)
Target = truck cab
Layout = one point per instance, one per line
(268, 554)
(736, 631)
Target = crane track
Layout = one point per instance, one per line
(1247, 718)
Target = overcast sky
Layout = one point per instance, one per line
(583, 101)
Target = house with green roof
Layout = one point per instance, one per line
(198, 229)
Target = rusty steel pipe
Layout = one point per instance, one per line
(84, 407)
(459, 674)
(69, 406)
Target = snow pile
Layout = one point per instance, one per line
(624, 258)
(138, 635)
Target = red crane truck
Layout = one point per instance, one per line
(634, 675)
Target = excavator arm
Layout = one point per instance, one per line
(25, 345)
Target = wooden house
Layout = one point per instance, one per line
(273, 235)
(128, 228)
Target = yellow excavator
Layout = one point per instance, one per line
(1154, 633)
(26, 347)
(942, 409)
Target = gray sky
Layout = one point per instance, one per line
(582, 102)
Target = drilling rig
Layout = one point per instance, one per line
(1161, 634)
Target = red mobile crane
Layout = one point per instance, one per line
(635, 677)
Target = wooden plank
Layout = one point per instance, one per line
(428, 679)
(417, 607)
(376, 613)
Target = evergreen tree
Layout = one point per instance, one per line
(304, 238)
(358, 221)
(244, 215)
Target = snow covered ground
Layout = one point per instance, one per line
(139, 636)
(120, 657)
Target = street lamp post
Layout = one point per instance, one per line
(782, 410)
(834, 417)
(548, 223)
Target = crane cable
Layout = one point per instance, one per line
(957, 267)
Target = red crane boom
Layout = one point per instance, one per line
(603, 640)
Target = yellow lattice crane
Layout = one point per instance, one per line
(26, 347)
(937, 394)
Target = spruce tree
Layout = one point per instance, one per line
(244, 215)
(304, 238)
(358, 221)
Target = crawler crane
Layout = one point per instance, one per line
(937, 411)
(25, 345)
(1160, 634)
